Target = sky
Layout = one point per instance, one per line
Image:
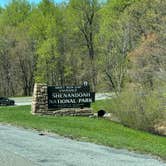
(5, 2)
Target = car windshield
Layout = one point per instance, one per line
(3, 98)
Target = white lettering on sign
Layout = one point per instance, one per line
(86, 100)
(62, 101)
(66, 101)
(70, 95)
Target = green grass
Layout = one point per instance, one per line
(102, 104)
(99, 131)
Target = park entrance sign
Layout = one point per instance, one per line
(70, 96)
(62, 100)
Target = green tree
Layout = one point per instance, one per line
(115, 41)
(148, 58)
(49, 30)
(84, 15)
(17, 49)
(16, 12)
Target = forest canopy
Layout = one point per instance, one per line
(112, 45)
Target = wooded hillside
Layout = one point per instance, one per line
(112, 45)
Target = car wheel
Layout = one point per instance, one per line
(11, 103)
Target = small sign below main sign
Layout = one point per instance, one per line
(70, 96)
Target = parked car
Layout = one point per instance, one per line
(6, 101)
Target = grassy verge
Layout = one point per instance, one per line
(99, 131)
(102, 104)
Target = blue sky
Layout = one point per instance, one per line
(4, 2)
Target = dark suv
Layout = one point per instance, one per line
(5, 101)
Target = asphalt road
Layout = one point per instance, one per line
(22, 100)
(20, 147)
(28, 100)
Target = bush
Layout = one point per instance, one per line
(140, 110)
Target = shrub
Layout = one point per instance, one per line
(139, 109)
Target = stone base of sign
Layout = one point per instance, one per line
(40, 105)
(40, 99)
(68, 112)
